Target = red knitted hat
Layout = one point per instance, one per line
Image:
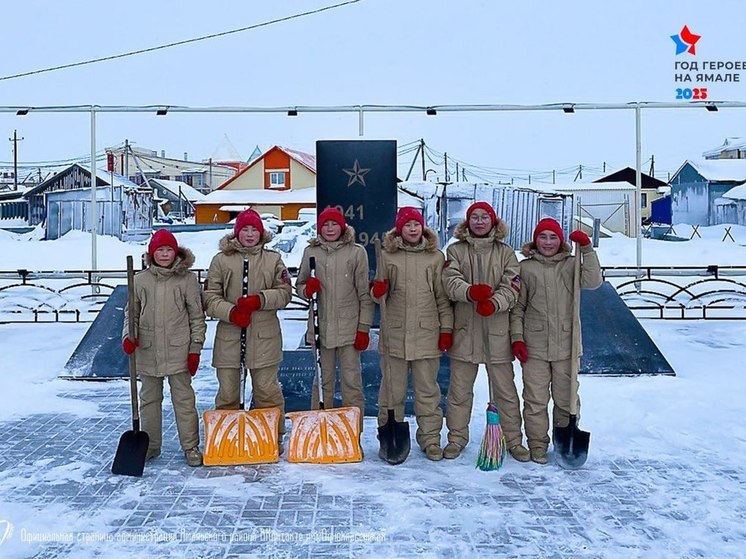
(482, 206)
(405, 214)
(549, 224)
(248, 217)
(162, 237)
(332, 214)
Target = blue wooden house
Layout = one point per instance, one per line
(697, 188)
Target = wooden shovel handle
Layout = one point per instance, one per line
(132, 335)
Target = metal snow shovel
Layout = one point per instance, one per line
(393, 435)
(323, 436)
(234, 437)
(133, 445)
(570, 443)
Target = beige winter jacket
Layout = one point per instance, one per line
(269, 279)
(169, 322)
(542, 318)
(417, 307)
(345, 305)
(501, 271)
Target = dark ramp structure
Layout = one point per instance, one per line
(614, 342)
(99, 354)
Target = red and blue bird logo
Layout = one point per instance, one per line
(686, 41)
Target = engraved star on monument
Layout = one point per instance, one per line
(356, 174)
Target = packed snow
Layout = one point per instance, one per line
(667, 448)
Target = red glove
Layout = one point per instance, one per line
(313, 285)
(380, 288)
(128, 346)
(445, 341)
(240, 318)
(249, 304)
(579, 237)
(193, 363)
(361, 340)
(486, 308)
(520, 351)
(479, 292)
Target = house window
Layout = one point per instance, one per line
(276, 180)
(644, 200)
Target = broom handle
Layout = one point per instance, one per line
(486, 339)
(132, 336)
(575, 353)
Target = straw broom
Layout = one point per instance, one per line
(492, 450)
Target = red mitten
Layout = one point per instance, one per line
(313, 286)
(480, 292)
(445, 341)
(128, 346)
(361, 340)
(249, 304)
(486, 308)
(380, 288)
(240, 318)
(193, 363)
(520, 351)
(579, 237)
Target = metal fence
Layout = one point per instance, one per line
(654, 292)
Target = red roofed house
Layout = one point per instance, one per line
(281, 181)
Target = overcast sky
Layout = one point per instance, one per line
(415, 52)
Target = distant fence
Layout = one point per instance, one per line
(655, 292)
(66, 296)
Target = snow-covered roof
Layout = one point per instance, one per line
(226, 151)
(118, 180)
(260, 196)
(581, 186)
(720, 169)
(301, 157)
(174, 187)
(736, 193)
(729, 144)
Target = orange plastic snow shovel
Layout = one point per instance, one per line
(323, 436)
(234, 437)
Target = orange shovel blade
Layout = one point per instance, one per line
(325, 436)
(235, 437)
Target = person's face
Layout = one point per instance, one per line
(548, 243)
(331, 230)
(411, 232)
(480, 222)
(164, 256)
(249, 236)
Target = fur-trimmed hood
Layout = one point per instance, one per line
(184, 260)
(462, 232)
(230, 245)
(392, 241)
(347, 236)
(529, 250)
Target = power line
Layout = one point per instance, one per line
(178, 43)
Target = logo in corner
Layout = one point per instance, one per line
(686, 41)
(6, 530)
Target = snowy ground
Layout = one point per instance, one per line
(664, 476)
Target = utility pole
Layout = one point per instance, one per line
(445, 165)
(15, 139)
(652, 166)
(422, 157)
(127, 159)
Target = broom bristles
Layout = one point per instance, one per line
(492, 450)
